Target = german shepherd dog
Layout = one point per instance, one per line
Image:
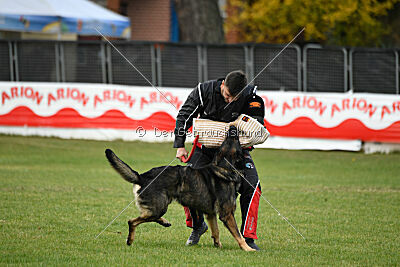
(211, 189)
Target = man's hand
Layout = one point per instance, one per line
(181, 152)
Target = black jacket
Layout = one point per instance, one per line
(207, 101)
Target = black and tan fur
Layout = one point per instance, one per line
(211, 189)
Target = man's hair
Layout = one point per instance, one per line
(235, 81)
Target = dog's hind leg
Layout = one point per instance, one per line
(163, 222)
(212, 222)
(132, 227)
(229, 221)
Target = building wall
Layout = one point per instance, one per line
(115, 5)
(150, 19)
(232, 35)
(100, 2)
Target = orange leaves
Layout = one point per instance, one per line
(338, 22)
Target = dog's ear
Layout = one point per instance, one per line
(220, 172)
(226, 174)
(218, 157)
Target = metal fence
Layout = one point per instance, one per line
(371, 69)
(36, 61)
(6, 61)
(178, 65)
(284, 73)
(82, 62)
(141, 55)
(312, 68)
(220, 60)
(325, 69)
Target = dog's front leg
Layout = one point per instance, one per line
(212, 222)
(230, 223)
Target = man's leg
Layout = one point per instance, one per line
(194, 218)
(250, 193)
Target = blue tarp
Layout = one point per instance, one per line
(62, 16)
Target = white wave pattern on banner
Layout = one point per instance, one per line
(375, 111)
(90, 100)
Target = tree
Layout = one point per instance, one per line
(199, 21)
(393, 20)
(335, 22)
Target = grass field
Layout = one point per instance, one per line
(57, 195)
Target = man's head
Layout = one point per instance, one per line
(233, 84)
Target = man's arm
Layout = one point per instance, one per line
(184, 120)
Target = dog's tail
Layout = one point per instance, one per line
(122, 168)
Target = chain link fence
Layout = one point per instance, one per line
(312, 68)
(325, 69)
(283, 73)
(220, 60)
(374, 71)
(83, 62)
(140, 55)
(179, 65)
(36, 61)
(6, 61)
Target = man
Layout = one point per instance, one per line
(222, 100)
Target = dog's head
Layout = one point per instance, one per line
(230, 155)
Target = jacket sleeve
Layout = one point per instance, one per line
(255, 108)
(184, 120)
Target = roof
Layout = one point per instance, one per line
(76, 16)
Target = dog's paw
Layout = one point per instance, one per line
(164, 222)
(247, 248)
(217, 245)
(129, 241)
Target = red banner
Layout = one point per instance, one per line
(62, 107)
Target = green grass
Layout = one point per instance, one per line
(57, 195)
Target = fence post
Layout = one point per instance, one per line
(305, 68)
(251, 51)
(159, 69)
(248, 58)
(62, 61)
(397, 71)
(351, 70)
(345, 70)
(108, 52)
(16, 62)
(205, 63)
(10, 58)
(57, 59)
(103, 62)
(153, 64)
(298, 50)
(200, 63)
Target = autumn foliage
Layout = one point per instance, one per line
(332, 22)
